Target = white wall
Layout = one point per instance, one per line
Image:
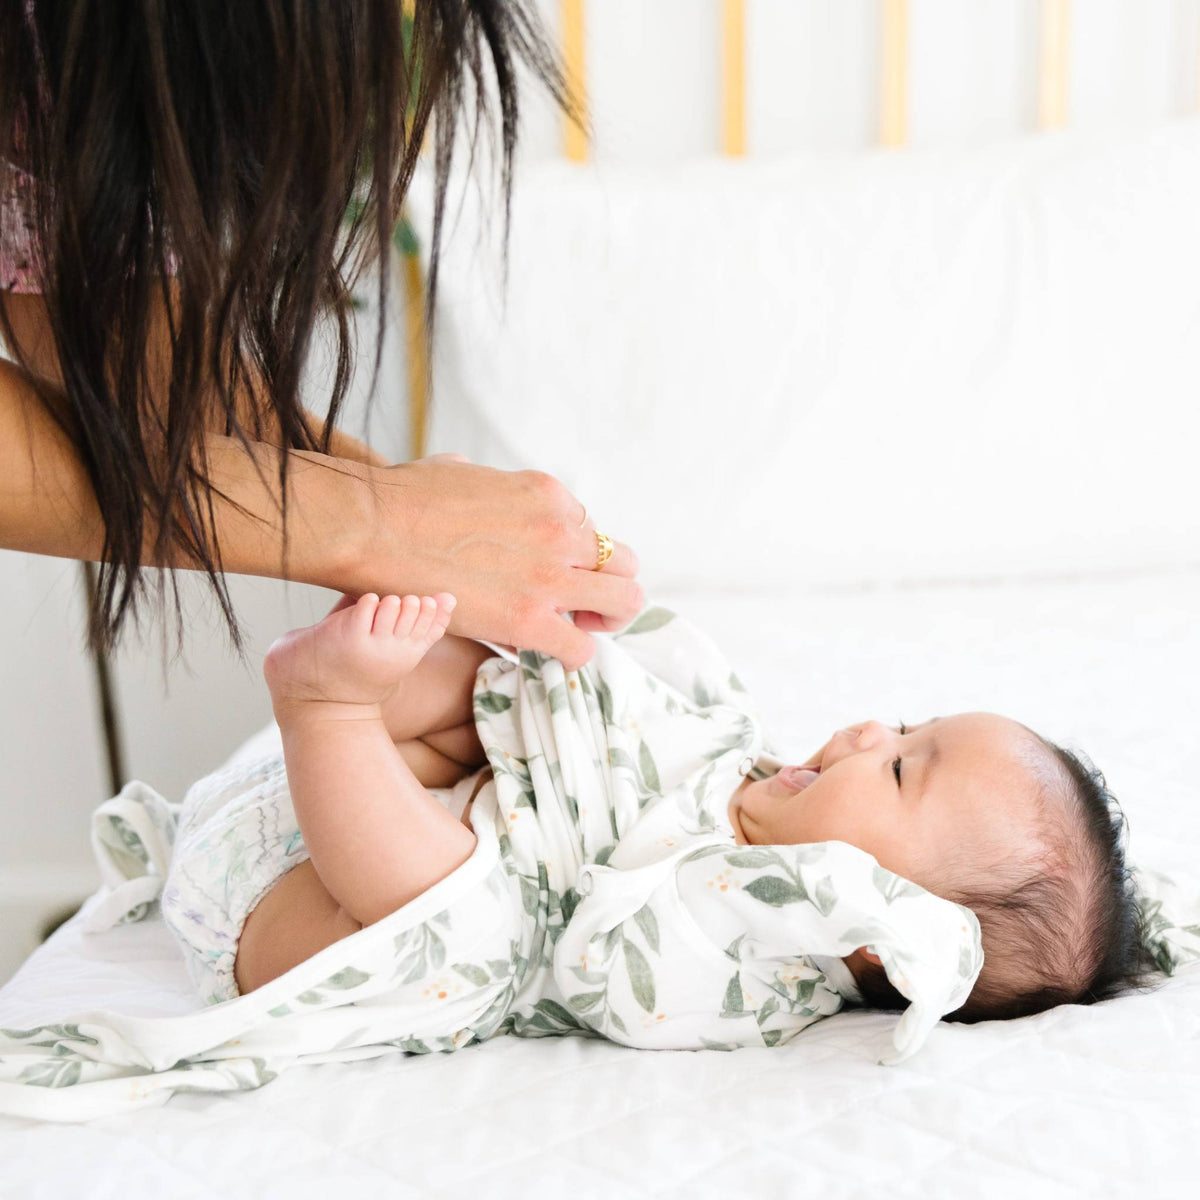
(653, 66)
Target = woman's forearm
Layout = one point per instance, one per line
(47, 505)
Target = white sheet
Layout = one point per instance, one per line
(1078, 1101)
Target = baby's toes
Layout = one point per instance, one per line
(410, 610)
(356, 620)
(424, 618)
(439, 608)
(446, 602)
(385, 616)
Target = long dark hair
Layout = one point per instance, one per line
(226, 143)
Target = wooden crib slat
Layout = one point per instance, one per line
(1053, 65)
(416, 359)
(893, 81)
(1197, 84)
(733, 78)
(575, 143)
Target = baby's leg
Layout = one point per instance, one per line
(377, 838)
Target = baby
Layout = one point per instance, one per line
(377, 706)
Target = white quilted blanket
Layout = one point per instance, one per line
(1075, 1102)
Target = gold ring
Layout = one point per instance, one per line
(584, 521)
(604, 549)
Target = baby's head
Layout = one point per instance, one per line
(983, 811)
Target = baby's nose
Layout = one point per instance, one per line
(851, 740)
(862, 735)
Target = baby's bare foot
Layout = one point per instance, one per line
(355, 656)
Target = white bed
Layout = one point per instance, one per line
(1078, 1101)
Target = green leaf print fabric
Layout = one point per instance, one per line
(730, 946)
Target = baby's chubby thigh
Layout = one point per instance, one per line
(294, 920)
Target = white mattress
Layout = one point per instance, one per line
(1078, 1101)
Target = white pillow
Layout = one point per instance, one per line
(898, 366)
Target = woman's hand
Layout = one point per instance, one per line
(508, 544)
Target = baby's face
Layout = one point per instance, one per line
(948, 790)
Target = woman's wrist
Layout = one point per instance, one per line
(330, 546)
(328, 503)
(344, 492)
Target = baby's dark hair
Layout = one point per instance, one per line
(1065, 928)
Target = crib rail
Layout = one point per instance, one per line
(735, 135)
(1053, 72)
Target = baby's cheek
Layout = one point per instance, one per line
(920, 855)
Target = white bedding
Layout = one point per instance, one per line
(1099, 1101)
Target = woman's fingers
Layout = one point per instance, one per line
(591, 599)
(622, 561)
(616, 602)
(562, 640)
(602, 593)
(593, 622)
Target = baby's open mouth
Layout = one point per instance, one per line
(805, 776)
(799, 777)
